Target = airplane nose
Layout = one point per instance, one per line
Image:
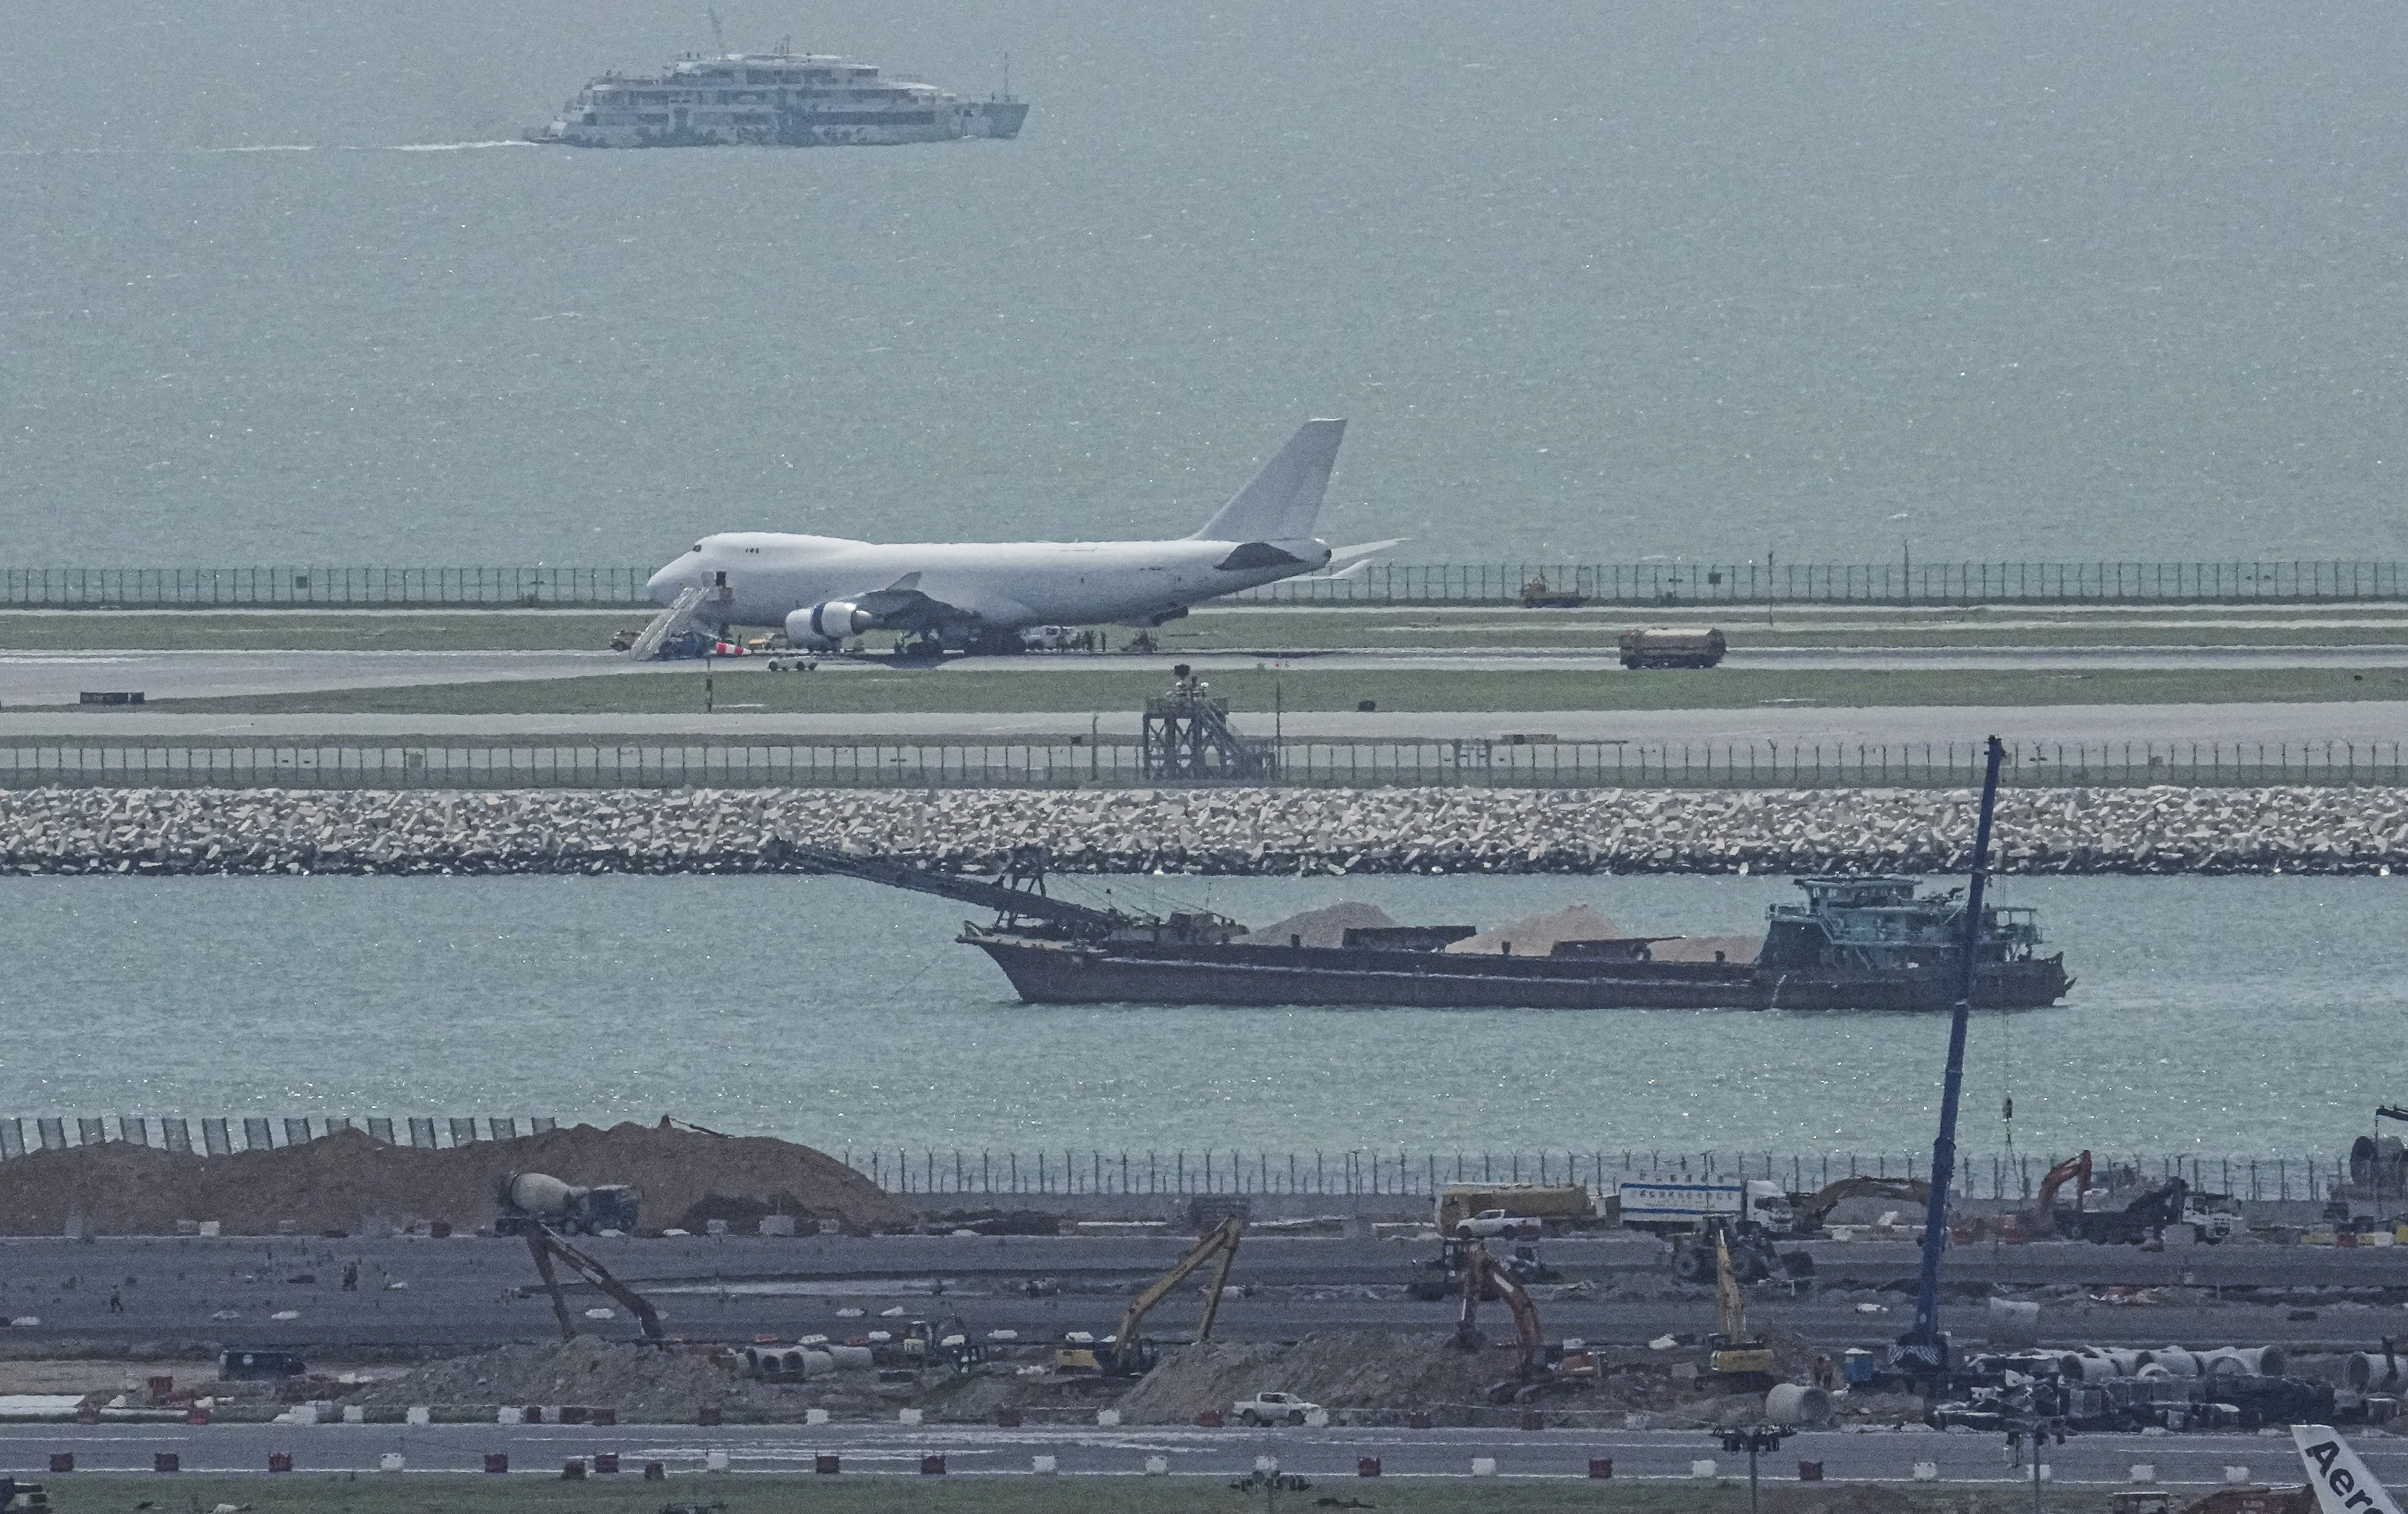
(662, 586)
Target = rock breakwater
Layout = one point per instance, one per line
(1232, 830)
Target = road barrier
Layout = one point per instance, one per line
(963, 1173)
(1651, 584)
(1529, 760)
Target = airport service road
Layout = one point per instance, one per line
(1327, 1455)
(460, 1292)
(2371, 721)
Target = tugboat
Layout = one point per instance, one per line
(773, 99)
(1865, 944)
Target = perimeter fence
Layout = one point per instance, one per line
(1358, 1173)
(1654, 583)
(2005, 1175)
(1527, 760)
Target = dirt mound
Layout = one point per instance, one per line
(1325, 927)
(1702, 948)
(1338, 1370)
(350, 1182)
(641, 1382)
(1537, 936)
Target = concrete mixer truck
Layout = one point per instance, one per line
(524, 1199)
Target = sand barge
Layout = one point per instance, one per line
(349, 1181)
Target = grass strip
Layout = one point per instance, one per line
(894, 691)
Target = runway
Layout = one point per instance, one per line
(2366, 722)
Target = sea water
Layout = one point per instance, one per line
(1592, 282)
(2209, 1016)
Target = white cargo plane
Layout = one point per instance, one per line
(980, 594)
(2342, 1481)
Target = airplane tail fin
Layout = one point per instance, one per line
(1282, 501)
(2342, 1481)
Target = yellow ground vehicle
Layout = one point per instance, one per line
(1530, 1200)
(1737, 1355)
(1127, 1354)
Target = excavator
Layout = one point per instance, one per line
(1740, 1360)
(2041, 1218)
(1127, 1354)
(1483, 1275)
(1808, 1213)
(547, 1247)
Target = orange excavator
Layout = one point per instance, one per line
(1481, 1274)
(2039, 1218)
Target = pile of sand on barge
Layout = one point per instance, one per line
(351, 1182)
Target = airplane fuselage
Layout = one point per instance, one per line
(769, 575)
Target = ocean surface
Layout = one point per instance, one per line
(2211, 1016)
(1592, 282)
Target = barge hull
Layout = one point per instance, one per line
(1046, 972)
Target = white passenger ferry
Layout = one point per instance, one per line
(773, 99)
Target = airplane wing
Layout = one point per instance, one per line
(912, 603)
(2342, 1481)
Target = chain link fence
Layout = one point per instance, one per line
(1531, 760)
(1659, 584)
(2004, 1175)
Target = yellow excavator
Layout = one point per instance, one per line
(1739, 1359)
(1127, 1354)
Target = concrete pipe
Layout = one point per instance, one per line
(2152, 1370)
(848, 1356)
(1793, 1404)
(2092, 1367)
(2177, 1362)
(2250, 1361)
(2128, 1364)
(813, 1363)
(753, 1366)
(2375, 1371)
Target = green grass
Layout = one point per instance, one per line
(1207, 629)
(368, 1493)
(888, 691)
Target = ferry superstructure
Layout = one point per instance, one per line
(773, 99)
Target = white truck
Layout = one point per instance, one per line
(1682, 1208)
(1274, 1408)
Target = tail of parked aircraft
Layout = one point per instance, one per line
(2342, 1481)
(1282, 501)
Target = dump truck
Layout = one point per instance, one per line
(524, 1199)
(1560, 1202)
(1671, 647)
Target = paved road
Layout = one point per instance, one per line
(1320, 1455)
(2370, 722)
(461, 1292)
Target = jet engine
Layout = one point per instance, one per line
(828, 623)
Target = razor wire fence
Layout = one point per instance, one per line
(1651, 583)
(1524, 761)
(1227, 1172)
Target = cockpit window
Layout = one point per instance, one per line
(696, 547)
